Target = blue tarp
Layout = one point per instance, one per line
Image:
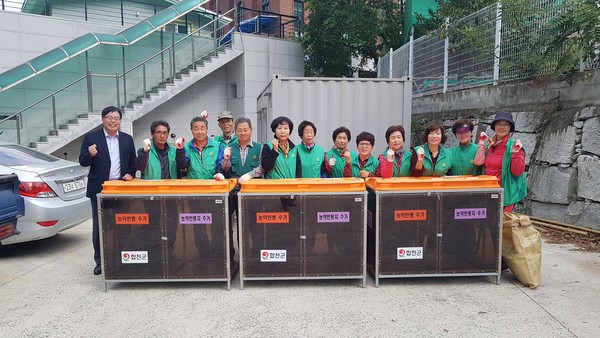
(257, 24)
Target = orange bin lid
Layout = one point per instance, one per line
(167, 187)
(304, 185)
(433, 183)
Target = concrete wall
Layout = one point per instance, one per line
(559, 125)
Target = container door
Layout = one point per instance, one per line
(334, 235)
(131, 238)
(470, 232)
(271, 235)
(195, 237)
(408, 224)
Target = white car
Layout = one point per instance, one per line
(53, 190)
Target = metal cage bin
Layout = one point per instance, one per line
(165, 230)
(302, 229)
(435, 226)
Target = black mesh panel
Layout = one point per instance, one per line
(470, 232)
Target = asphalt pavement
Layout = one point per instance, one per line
(47, 289)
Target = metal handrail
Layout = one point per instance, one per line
(44, 98)
(18, 115)
(168, 48)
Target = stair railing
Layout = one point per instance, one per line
(95, 90)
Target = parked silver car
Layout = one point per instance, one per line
(53, 190)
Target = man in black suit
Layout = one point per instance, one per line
(110, 154)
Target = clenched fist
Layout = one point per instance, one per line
(179, 143)
(420, 154)
(147, 144)
(93, 150)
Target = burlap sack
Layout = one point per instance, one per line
(522, 249)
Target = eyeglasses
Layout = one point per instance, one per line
(502, 124)
(364, 144)
(112, 118)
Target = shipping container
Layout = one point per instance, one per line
(359, 104)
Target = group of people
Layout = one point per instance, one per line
(111, 155)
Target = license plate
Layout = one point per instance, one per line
(72, 186)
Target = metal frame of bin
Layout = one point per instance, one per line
(303, 188)
(438, 186)
(169, 190)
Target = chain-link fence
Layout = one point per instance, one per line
(492, 45)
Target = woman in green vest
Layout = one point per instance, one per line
(310, 154)
(431, 159)
(279, 156)
(364, 165)
(394, 162)
(504, 158)
(463, 154)
(338, 160)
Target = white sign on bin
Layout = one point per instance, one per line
(134, 257)
(273, 255)
(412, 252)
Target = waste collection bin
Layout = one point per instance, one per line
(165, 230)
(302, 229)
(434, 226)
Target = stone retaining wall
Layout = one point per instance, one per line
(561, 142)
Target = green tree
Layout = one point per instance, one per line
(339, 30)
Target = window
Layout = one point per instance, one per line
(299, 14)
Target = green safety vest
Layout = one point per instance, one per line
(310, 161)
(153, 171)
(371, 166)
(462, 160)
(252, 160)
(338, 169)
(284, 167)
(404, 163)
(515, 187)
(203, 165)
(221, 141)
(442, 165)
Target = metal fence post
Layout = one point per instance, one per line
(391, 63)
(54, 126)
(446, 47)
(174, 66)
(411, 46)
(118, 91)
(144, 77)
(89, 92)
(497, 41)
(18, 122)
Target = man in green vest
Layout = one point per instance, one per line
(242, 161)
(228, 137)
(157, 160)
(203, 157)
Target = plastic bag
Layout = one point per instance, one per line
(522, 249)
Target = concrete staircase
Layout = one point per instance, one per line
(141, 106)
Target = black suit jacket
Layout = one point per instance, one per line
(100, 164)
